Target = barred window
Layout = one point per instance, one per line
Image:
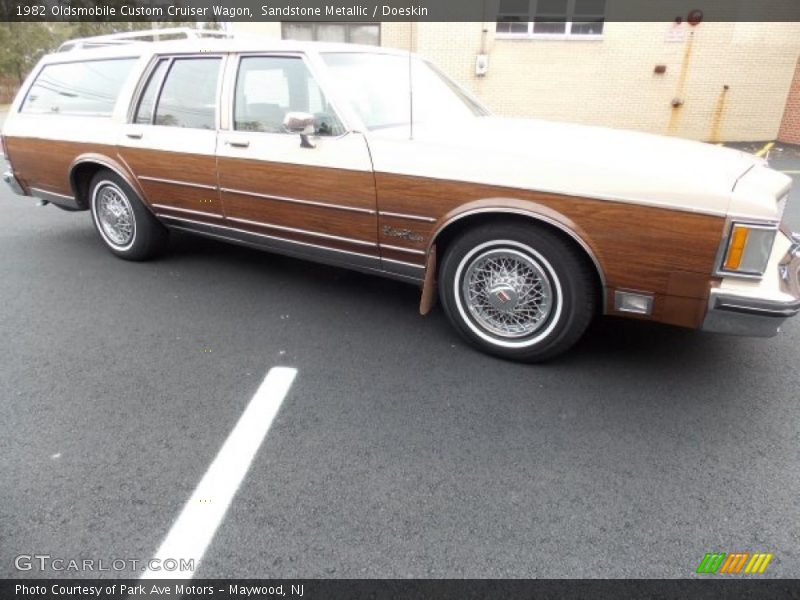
(551, 18)
(350, 33)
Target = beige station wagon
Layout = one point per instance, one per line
(372, 159)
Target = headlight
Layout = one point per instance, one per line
(747, 249)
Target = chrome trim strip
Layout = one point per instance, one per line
(754, 317)
(186, 210)
(264, 235)
(326, 236)
(201, 186)
(789, 310)
(370, 264)
(42, 192)
(404, 263)
(384, 213)
(367, 211)
(400, 249)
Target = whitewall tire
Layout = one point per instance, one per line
(125, 226)
(516, 290)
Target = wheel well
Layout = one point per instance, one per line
(461, 226)
(80, 178)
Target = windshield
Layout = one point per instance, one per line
(376, 85)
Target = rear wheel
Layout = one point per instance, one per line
(126, 227)
(517, 291)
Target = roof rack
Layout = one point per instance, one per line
(145, 35)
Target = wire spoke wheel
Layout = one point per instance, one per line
(517, 290)
(114, 215)
(507, 293)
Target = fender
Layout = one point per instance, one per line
(118, 167)
(509, 206)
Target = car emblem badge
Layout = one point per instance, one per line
(406, 234)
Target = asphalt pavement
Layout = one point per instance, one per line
(398, 451)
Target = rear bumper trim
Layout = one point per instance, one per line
(14, 184)
(60, 200)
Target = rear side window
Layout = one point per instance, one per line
(189, 94)
(88, 88)
(144, 114)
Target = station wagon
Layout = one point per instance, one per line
(372, 159)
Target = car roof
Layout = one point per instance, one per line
(248, 43)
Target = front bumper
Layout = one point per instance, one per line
(759, 308)
(14, 184)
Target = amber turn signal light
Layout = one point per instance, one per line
(736, 248)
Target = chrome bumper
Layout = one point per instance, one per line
(758, 309)
(15, 185)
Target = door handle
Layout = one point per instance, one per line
(238, 143)
(134, 135)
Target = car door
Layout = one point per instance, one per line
(312, 199)
(170, 142)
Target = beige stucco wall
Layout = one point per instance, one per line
(611, 81)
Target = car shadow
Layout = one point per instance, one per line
(636, 343)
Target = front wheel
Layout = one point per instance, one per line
(517, 291)
(126, 227)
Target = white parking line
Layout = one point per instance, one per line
(194, 529)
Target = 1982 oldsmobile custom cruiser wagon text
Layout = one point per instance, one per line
(371, 159)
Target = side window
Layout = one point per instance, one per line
(147, 102)
(88, 88)
(269, 87)
(189, 94)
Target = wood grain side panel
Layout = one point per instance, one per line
(637, 246)
(345, 202)
(354, 189)
(46, 164)
(392, 254)
(195, 168)
(181, 197)
(672, 310)
(359, 226)
(181, 169)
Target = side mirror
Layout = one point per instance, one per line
(302, 123)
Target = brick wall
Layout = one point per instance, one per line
(611, 82)
(790, 127)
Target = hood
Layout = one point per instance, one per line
(572, 159)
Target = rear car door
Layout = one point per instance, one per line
(317, 199)
(171, 138)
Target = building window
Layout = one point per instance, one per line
(556, 19)
(350, 33)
